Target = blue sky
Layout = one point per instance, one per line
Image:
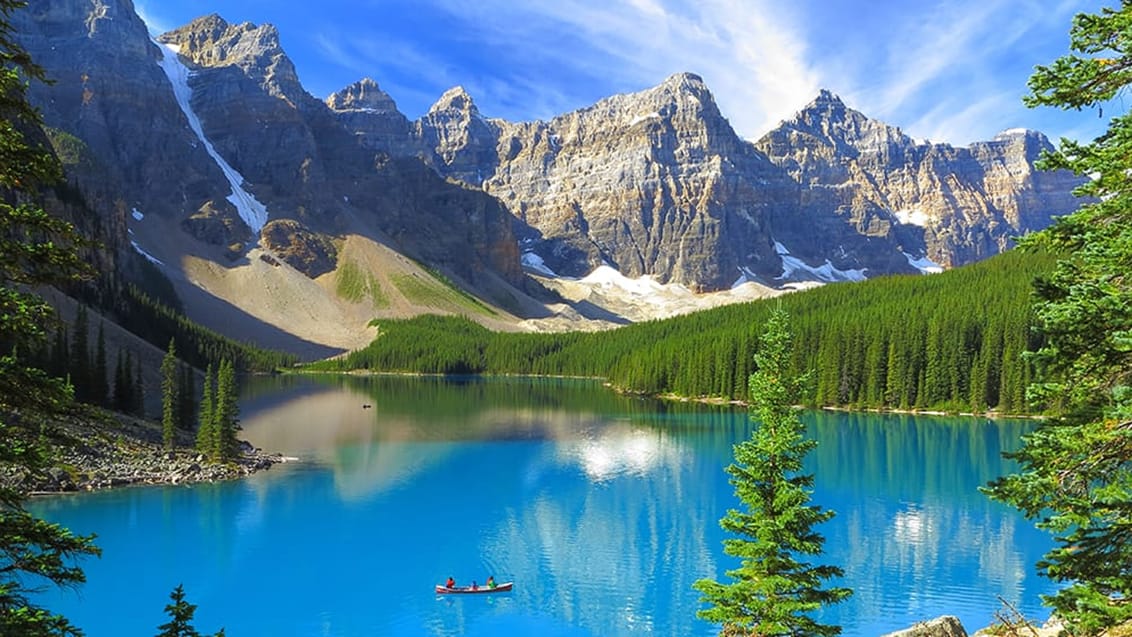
(949, 71)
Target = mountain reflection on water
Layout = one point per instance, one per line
(602, 508)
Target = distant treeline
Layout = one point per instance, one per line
(952, 341)
(70, 354)
(199, 346)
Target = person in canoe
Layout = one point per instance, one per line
(451, 583)
(491, 581)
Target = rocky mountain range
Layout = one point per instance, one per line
(205, 151)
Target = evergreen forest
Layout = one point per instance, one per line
(952, 341)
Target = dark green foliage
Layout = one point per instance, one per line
(226, 412)
(100, 384)
(35, 250)
(206, 425)
(220, 410)
(181, 613)
(80, 361)
(60, 358)
(1075, 474)
(170, 395)
(772, 592)
(123, 383)
(186, 398)
(31, 545)
(948, 341)
(453, 345)
(219, 415)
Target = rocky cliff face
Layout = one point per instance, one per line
(259, 133)
(652, 183)
(867, 180)
(110, 94)
(456, 140)
(658, 183)
(372, 115)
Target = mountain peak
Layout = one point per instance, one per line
(827, 97)
(210, 40)
(454, 99)
(365, 94)
(688, 84)
(209, 22)
(829, 120)
(1015, 133)
(684, 80)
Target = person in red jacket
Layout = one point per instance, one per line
(451, 583)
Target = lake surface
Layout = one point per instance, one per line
(603, 509)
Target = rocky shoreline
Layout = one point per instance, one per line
(107, 450)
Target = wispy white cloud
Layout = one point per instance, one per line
(939, 42)
(956, 71)
(953, 121)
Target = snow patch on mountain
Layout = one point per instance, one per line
(923, 264)
(250, 209)
(795, 269)
(149, 257)
(645, 286)
(915, 217)
(644, 118)
(534, 262)
(641, 299)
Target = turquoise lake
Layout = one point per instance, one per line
(603, 509)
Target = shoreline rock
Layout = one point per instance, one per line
(945, 626)
(111, 450)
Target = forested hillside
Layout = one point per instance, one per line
(948, 341)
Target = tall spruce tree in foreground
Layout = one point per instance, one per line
(35, 249)
(774, 591)
(1075, 476)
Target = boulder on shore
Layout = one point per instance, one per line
(946, 626)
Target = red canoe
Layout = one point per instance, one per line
(499, 588)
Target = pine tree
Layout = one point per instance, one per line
(60, 353)
(181, 613)
(35, 250)
(170, 395)
(1075, 474)
(206, 427)
(137, 406)
(186, 398)
(121, 400)
(100, 390)
(773, 592)
(80, 360)
(226, 412)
